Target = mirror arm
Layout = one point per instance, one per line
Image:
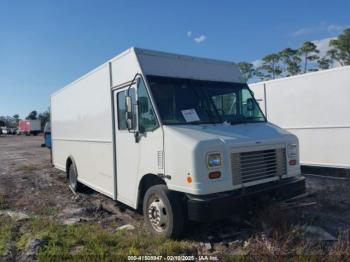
(136, 75)
(137, 136)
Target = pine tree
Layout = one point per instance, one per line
(309, 53)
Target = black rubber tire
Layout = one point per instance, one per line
(175, 208)
(73, 178)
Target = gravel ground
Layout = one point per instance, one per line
(30, 186)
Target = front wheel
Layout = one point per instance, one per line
(164, 212)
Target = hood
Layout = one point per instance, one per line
(247, 133)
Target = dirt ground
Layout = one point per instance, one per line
(30, 188)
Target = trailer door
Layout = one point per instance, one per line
(136, 157)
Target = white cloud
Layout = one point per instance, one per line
(189, 33)
(321, 28)
(200, 39)
(302, 31)
(335, 28)
(323, 45)
(257, 63)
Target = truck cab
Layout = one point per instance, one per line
(217, 142)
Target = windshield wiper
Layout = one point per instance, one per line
(201, 122)
(247, 120)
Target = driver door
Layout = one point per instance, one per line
(138, 151)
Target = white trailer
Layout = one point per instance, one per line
(314, 107)
(178, 137)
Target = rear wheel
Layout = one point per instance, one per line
(164, 212)
(73, 178)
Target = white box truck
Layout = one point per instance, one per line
(314, 107)
(178, 137)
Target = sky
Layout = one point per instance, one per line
(46, 44)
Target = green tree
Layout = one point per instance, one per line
(8, 121)
(324, 63)
(309, 52)
(2, 121)
(16, 118)
(11, 122)
(332, 55)
(270, 68)
(44, 118)
(291, 60)
(341, 48)
(32, 115)
(247, 70)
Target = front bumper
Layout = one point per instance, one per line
(212, 207)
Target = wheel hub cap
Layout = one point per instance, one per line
(157, 215)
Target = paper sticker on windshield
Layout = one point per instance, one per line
(190, 115)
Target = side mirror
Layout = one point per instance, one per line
(143, 105)
(129, 123)
(128, 113)
(128, 104)
(250, 104)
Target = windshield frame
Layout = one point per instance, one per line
(150, 78)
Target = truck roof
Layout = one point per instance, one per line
(167, 64)
(184, 66)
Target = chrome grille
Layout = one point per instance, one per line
(256, 165)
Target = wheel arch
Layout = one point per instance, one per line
(145, 183)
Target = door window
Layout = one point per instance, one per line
(249, 107)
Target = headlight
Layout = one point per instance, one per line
(214, 160)
(292, 150)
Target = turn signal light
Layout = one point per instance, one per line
(292, 162)
(214, 175)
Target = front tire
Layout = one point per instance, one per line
(164, 212)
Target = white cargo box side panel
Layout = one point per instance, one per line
(124, 67)
(259, 94)
(35, 125)
(172, 65)
(315, 107)
(82, 128)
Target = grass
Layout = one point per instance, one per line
(278, 234)
(341, 249)
(6, 226)
(73, 242)
(96, 242)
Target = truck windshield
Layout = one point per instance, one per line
(185, 101)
